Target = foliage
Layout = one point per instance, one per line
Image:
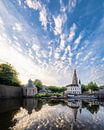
(92, 86)
(8, 75)
(38, 84)
(55, 89)
(83, 88)
(39, 95)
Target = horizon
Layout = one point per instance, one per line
(48, 39)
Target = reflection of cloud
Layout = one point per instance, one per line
(47, 118)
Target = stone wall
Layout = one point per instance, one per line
(10, 91)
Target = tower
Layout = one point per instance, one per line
(75, 79)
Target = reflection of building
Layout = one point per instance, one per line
(29, 90)
(75, 87)
(74, 111)
(30, 104)
(75, 104)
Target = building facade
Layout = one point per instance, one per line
(30, 89)
(75, 87)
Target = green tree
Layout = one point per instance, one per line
(92, 86)
(38, 84)
(55, 89)
(8, 75)
(83, 88)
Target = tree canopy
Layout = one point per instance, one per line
(92, 86)
(56, 89)
(8, 75)
(38, 84)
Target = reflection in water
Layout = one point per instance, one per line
(31, 114)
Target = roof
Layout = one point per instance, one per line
(72, 85)
(30, 84)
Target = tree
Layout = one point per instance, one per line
(56, 89)
(83, 88)
(38, 84)
(8, 75)
(92, 86)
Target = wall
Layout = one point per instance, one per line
(10, 91)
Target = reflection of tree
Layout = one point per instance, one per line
(53, 102)
(84, 104)
(6, 119)
(93, 108)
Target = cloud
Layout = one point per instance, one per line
(58, 25)
(71, 5)
(36, 5)
(59, 22)
(17, 27)
(77, 41)
(33, 4)
(87, 56)
(78, 54)
(43, 17)
(72, 32)
(56, 55)
(35, 47)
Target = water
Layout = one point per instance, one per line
(32, 114)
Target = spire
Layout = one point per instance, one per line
(75, 79)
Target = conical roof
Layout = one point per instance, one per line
(75, 79)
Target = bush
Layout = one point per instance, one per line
(39, 95)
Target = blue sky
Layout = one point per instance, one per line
(47, 39)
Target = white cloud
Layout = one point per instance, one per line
(77, 56)
(43, 17)
(33, 4)
(36, 5)
(77, 41)
(17, 27)
(56, 55)
(72, 4)
(102, 59)
(58, 25)
(35, 47)
(62, 44)
(87, 56)
(72, 32)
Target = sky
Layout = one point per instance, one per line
(48, 39)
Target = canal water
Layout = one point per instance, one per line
(32, 114)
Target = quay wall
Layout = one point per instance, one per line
(10, 91)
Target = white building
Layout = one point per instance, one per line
(75, 87)
(30, 89)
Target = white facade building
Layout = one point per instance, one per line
(30, 89)
(75, 87)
